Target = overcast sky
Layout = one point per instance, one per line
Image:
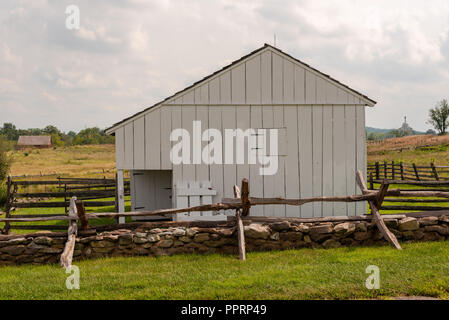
(127, 55)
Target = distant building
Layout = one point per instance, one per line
(39, 142)
(405, 129)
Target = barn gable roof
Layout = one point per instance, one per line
(34, 141)
(366, 100)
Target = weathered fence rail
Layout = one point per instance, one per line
(87, 189)
(400, 171)
(242, 204)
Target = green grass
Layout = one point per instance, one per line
(420, 269)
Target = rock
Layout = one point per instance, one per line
(178, 232)
(13, 250)
(33, 247)
(307, 239)
(16, 241)
(185, 239)
(165, 243)
(51, 250)
(408, 235)
(275, 236)
(125, 239)
(444, 231)
(344, 229)
(155, 230)
(153, 238)
(391, 223)
(102, 244)
(361, 227)
(140, 240)
(228, 232)
(190, 232)
(303, 228)
(257, 231)
(102, 249)
(217, 243)
(321, 229)
(444, 219)
(201, 237)
(178, 243)
(141, 251)
(140, 234)
(290, 236)
(280, 226)
(428, 221)
(360, 236)
(432, 236)
(110, 237)
(331, 243)
(317, 237)
(408, 224)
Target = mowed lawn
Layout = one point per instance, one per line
(421, 269)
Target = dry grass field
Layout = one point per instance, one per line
(420, 149)
(74, 161)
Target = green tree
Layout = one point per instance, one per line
(438, 117)
(9, 131)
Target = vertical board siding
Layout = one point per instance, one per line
(292, 160)
(243, 122)
(202, 170)
(229, 170)
(255, 179)
(351, 155)
(289, 82)
(317, 156)
(339, 161)
(188, 114)
(120, 148)
(328, 161)
(139, 143)
(361, 207)
(129, 145)
(268, 180)
(225, 87)
(278, 79)
(265, 73)
(305, 158)
(177, 169)
(153, 144)
(216, 170)
(300, 93)
(253, 80)
(165, 130)
(310, 88)
(279, 177)
(238, 79)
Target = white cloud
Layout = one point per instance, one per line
(128, 55)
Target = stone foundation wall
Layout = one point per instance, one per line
(44, 247)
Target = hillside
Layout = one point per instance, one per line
(420, 149)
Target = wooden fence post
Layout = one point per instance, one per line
(377, 171)
(416, 172)
(371, 182)
(392, 170)
(72, 231)
(402, 171)
(8, 205)
(435, 173)
(385, 170)
(240, 228)
(82, 214)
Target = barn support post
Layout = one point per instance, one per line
(8, 205)
(120, 195)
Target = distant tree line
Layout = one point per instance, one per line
(9, 134)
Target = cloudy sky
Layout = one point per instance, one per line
(130, 54)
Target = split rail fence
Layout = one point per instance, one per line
(56, 194)
(400, 171)
(242, 204)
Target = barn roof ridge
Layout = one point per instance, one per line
(266, 45)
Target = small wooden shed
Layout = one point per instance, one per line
(39, 142)
(321, 137)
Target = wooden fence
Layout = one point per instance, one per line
(400, 171)
(85, 189)
(241, 203)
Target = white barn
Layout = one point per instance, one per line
(321, 136)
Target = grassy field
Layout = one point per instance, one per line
(77, 161)
(419, 270)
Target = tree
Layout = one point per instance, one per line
(438, 117)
